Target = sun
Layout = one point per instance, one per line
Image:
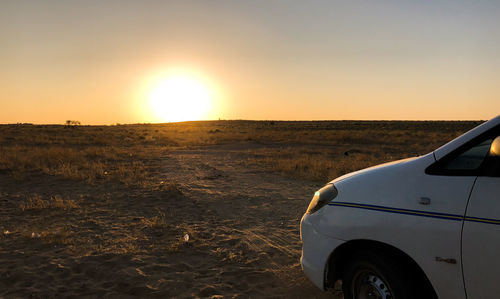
(180, 97)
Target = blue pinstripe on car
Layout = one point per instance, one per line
(438, 215)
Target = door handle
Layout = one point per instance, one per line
(424, 201)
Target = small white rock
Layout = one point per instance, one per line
(186, 238)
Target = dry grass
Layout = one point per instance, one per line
(323, 151)
(217, 132)
(92, 164)
(120, 153)
(157, 222)
(315, 165)
(57, 237)
(36, 202)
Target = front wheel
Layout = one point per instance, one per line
(371, 276)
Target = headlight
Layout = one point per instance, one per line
(322, 197)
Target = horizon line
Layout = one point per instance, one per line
(251, 120)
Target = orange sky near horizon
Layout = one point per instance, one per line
(96, 61)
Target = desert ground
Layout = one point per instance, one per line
(178, 210)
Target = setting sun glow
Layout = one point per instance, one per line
(180, 97)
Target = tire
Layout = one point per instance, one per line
(371, 275)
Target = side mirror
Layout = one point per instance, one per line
(495, 148)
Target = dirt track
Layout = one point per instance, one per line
(255, 219)
(243, 224)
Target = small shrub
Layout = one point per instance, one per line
(158, 222)
(36, 202)
(72, 123)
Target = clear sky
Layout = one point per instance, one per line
(99, 61)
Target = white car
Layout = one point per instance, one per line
(425, 227)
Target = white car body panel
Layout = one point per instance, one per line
(481, 240)
(319, 248)
(382, 203)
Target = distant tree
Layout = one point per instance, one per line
(72, 123)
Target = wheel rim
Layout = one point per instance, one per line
(368, 285)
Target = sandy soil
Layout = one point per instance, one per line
(243, 224)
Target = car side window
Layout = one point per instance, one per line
(470, 159)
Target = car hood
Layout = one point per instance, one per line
(384, 184)
(374, 169)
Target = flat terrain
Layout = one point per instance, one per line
(104, 210)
